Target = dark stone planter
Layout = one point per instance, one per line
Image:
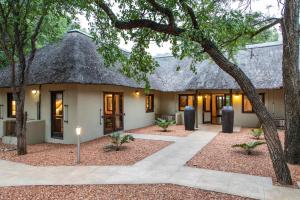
(227, 119)
(189, 118)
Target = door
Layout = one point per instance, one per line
(207, 109)
(57, 124)
(219, 106)
(113, 112)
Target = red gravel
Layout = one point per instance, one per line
(92, 153)
(218, 155)
(174, 130)
(114, 192)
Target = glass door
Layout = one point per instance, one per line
(219, 106)
(113, 112)
(207, 109)
(57, 124)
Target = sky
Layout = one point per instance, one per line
(269, 7)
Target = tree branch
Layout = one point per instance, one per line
(262, 29)
(190, 12)
(163, 10)
(139, 23)
(253, 34)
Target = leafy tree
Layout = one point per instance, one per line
(291, 80)
(25, 26)
(195, 28)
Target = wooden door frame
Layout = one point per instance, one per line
(53, 135)
(113, 111)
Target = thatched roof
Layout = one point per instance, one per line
(75, 60)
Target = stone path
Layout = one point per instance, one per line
(165, 166)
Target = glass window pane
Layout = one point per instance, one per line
(247, 105)
(191, 101)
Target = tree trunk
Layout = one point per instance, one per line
(290, 72)
(21, 118)
(280, 167)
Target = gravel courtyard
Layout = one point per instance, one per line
(173, 130)
(112, 192)
(218, 155)
(92, 153)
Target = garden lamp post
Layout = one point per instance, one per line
(78, 132)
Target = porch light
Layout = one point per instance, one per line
(34, 92)
(78, 133)
(137, 93)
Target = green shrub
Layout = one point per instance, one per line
(117, 140)
(164, 124)
(248, 146)
(257, 132)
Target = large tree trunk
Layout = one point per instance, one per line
(290, 72)
(21, 118)
(276, 152)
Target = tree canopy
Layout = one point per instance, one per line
(175, 22)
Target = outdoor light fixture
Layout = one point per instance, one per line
(78, 133)
(34, 92)
(137, 93)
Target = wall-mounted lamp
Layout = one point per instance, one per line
(137, 93)
(78, 133)
(34, 92)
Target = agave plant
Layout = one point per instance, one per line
(249, 146)
(257, 132)
(164, 123)
(117, 140)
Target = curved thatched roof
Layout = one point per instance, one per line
(75, 60)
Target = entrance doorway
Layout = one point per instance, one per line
(217, 119)
(113, 112)
(212, 107)
(57, 116)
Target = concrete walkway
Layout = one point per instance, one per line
(165, 166)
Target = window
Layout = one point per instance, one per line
(186, 100)
(246, 105)
(11, 106)
(150, 103)
(227, 100)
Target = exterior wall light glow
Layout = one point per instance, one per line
(137, 93)
(34, 92)
(78, 133)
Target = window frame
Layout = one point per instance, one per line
(186, 103)
(151, 96)
(10, 99)
(243, 100)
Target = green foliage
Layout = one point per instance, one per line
(117, 140)
(257, 132)
(248, 146)
(164, 124)
(230, 29)
(57, 19)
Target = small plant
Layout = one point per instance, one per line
(248, 146)
(164, 123)
(117, 140)
(257, 132)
